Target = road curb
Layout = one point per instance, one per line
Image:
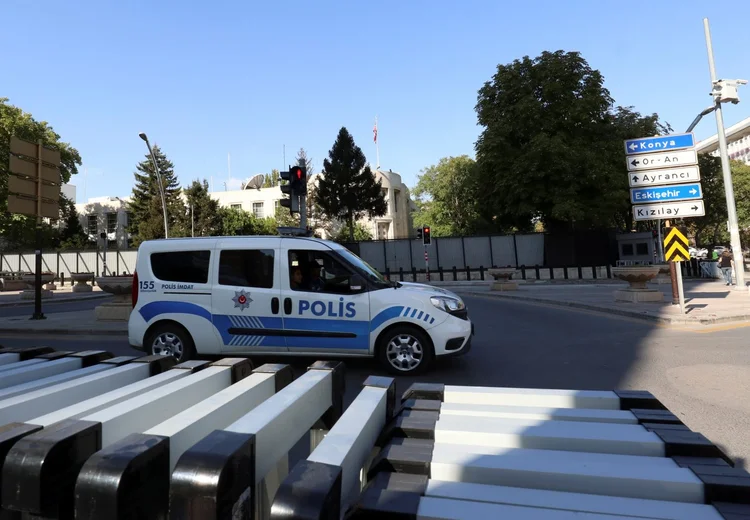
(620, 312)
(67, 332)
(55, 300)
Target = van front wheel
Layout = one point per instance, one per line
(171, 340)
(405, 350)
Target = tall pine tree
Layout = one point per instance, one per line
(348, 189)
(147, 221)
(205, 219)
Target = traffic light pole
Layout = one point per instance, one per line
(303, 200)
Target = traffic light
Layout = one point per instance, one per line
(298, 180)
(289, 188)
(419, 234)
(426, 238)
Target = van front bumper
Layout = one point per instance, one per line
(453, 337)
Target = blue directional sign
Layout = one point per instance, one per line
(659, 144)
(674, 193)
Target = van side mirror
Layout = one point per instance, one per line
(356, 283)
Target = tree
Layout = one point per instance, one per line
(236, 221)
(147, 220)
(284, 218)
(552, 145)
(348, 189)
(72, 235)
(711, 230)
(446, 195)
(205, 218)
(18, 230)
(361, 233)
(271, 179)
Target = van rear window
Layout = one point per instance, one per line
(181, 266)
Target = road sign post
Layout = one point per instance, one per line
(664, 181)
(676, 250)
(34, 190)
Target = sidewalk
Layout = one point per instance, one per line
(77, 323)
(706, 302)
(61, 294)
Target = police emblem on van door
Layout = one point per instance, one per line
(241, 299)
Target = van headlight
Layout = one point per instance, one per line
(447, 304)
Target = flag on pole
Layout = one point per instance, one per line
(375, 131)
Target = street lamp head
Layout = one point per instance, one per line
(142, 135)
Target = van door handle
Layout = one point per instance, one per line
(275, 305)
(287, 305)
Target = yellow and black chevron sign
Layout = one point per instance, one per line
(676, 247)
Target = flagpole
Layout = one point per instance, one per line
(377, 145)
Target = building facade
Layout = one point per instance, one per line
(109, 214)
(738, 142)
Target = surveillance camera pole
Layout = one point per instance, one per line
(734, 234)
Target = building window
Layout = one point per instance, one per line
(92, 226)
(258, 209)
(246, 268)
(181, 266)
(128, 219)
(396, 194)
(627, 250)
(111, 222)
(641, 249)
(276, 206)
(236, 206)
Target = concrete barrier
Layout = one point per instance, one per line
(330, 479)
(235, 472)
(90, 436)
(470, 452)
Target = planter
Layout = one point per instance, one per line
(118, 309)
(29, 280)
(637, 277)
(502, 277)
(80, 279)
(663, 277)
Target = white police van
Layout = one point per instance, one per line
(286, 295)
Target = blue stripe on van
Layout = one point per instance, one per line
(223, 323)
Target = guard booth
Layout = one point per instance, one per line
(637, 248)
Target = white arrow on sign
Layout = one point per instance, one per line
(653, 161)
(681, 175)
(687, 209)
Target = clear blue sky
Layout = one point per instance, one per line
(207, 79)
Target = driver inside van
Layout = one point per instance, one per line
(296, 278)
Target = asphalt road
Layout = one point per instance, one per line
(51, 307)
(702, 377)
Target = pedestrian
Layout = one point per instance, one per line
(726, 263)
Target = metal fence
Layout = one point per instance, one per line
(449, 252)
(66, 262)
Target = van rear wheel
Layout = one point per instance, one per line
(405, 350)
(171, 340)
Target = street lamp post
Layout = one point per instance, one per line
(143, 136)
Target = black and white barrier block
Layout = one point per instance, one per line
(325, 484)
(14, 355)
(40, 469)
(469, 452)
(230, 472)
(47, 365)
(130, 478)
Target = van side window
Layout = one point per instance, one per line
(181, 266)
(317, 271)
(246, 268)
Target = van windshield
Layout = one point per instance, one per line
(367, 269)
